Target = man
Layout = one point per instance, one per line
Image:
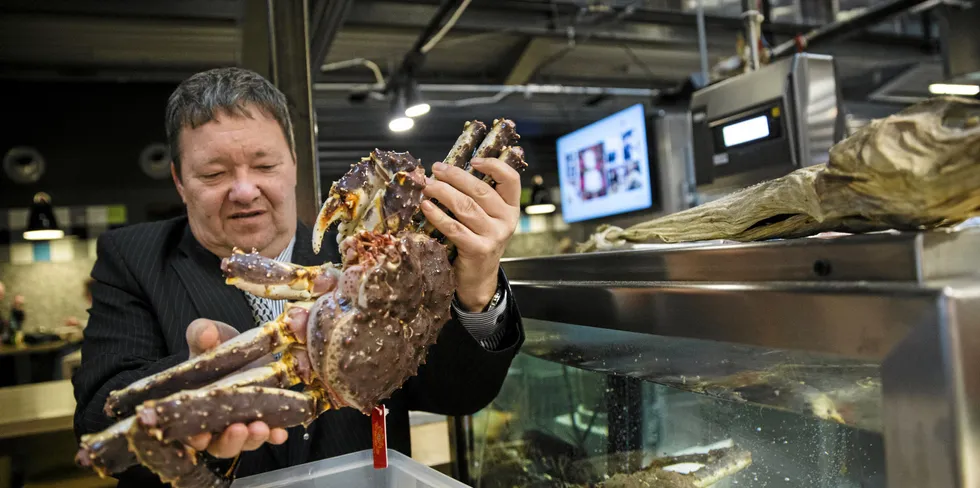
(234, 166)
(9, 329)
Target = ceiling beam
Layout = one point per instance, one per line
(326, 20)
(172, 9)
(535, 52)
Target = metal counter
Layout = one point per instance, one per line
(873, 331)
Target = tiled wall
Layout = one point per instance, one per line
(51, 274)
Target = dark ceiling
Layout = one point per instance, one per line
(614, 43)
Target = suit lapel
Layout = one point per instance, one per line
(200, 272)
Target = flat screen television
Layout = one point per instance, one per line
(604, 167)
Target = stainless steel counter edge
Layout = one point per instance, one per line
(906, 257)
(853, 320)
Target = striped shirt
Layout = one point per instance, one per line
(486, 327)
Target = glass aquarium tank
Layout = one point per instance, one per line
(557, 425)
(843, 362)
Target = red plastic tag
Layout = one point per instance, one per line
(380, 436)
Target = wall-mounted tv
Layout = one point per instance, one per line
(604, 167)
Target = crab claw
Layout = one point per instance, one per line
(346, 198)
(360, 199)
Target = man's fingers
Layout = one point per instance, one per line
(278, 436)
(230, 443)
(258, 433)
(464, 208)
(200, 442)
(470, 186)
(453, 230)
(203, 335)
(507, 178)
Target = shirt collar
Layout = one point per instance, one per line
(287, 254)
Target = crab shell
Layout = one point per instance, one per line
(370, 335)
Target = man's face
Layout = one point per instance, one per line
(238, 180)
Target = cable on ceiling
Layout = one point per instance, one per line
(431, 43)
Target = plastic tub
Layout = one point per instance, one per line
(355, 470)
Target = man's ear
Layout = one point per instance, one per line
(177, 182)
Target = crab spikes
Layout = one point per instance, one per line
(215, 364)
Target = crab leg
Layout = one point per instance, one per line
(264, 277)
(127, 444)
(474, 131)
(501, 136)
(215, 364)
(512, 156)
(108, 451)
(212, 410)
(172, 462)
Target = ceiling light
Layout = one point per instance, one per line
(954, 89)
(539, 208)
(418, 109)
(41, 223)
(416, 105)
(43, 235)
(540, 198)
(401, 124)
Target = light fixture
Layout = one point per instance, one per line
(540, 198)
(41, 223)
(399, 122)
(416, 106)
(954, 89)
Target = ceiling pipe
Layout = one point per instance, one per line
(497, 89)
(415, 56)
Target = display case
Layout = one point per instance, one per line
(835, 361)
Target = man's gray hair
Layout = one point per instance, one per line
(200, 98)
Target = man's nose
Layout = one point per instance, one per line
(244, 190)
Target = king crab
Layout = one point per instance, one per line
(351, 334)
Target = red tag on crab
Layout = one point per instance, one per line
(379, 436)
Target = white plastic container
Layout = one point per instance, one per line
(355, 470)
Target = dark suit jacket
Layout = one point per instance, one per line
(152, 280)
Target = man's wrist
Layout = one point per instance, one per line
(481, 301)
(485, 325)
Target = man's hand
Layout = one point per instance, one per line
(486, 218)
(202, 336)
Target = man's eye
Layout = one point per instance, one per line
(211, 175)
(265, 167)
